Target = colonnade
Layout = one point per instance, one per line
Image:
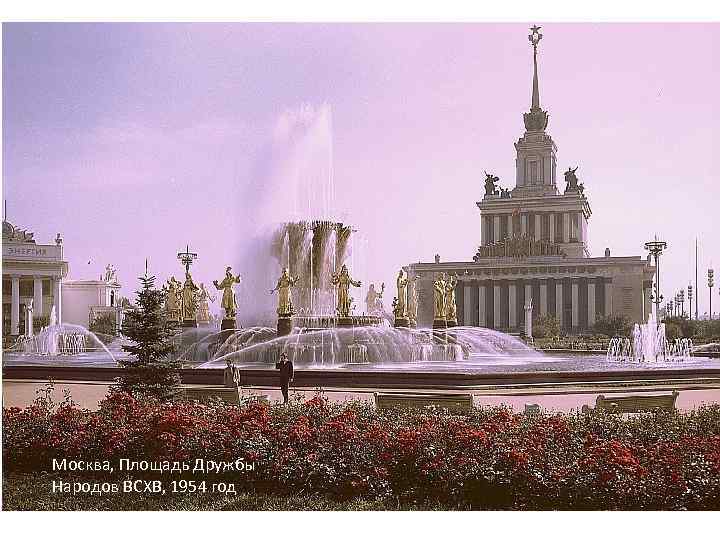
(576, 302)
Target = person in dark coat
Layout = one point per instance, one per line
(287, 373)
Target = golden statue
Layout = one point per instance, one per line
(373, 300)
(284, 284)
(173, 299)
(450, 305)
(189, 298)
(412, 295)
(343, 282)
(440, 292)
(204, 299)
(228, 298)
(402, 281)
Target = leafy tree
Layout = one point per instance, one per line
(152, 372)
(685, 327)
(40, 322)
(709, 330)
(104, 324)
(613, 325)
(546, 326)
(672, 330)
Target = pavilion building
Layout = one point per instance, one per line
(31, 271)
(534, 249)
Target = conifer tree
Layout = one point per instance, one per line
(151, 372)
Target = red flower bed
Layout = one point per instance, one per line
(489, 458)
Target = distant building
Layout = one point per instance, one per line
(84, 301)
(30, 271)
(534, 246)
(36, 272)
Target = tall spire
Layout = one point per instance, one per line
(535, 92)
(536, 119)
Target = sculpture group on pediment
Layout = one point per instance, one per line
(572, 184)
(519, 247)
(15, 234)
(490, 181)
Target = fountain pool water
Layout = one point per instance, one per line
(367, 345)
(370, 348)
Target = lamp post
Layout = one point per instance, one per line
(682, 302)
(711, 282)
(656, 248)
(690, 289)
(672, 306)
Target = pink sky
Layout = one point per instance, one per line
(133, 140)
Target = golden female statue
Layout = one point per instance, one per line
(172, 299)
(189, 298)
(402, 281)
(450, 305)
(440, 291)
(412, 295)
(204, 299)
(343, 282)
(373, 300)
(228, 298)
(284, 283)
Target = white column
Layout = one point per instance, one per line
(15, 307)
(559, 301)
(523, 223)
(512, 305)
(510, 224)
(528, 293)
(552, 227)
(482, 320)
(566, 227)
(538, 226)
(608, 298)
(37, 297)
(467, 308)
(575, 304)
(496, 306)
(496, 228)
(543, 298)
(580, 236)
(57, 298)
(591, 304)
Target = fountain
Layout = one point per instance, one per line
(313, 251)
(55, 340)
(649, 344)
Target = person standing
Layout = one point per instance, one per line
(287, 374)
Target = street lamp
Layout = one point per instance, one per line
(682, 302)
(690, 289)
(711, 282)
(656, 248)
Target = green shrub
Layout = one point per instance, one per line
(546, 326)
(613, 325)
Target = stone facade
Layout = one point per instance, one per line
(492, 292)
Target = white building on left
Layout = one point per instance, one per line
(37, 271)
